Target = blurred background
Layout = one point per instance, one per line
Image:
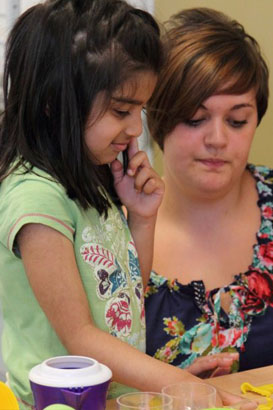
(256, 17)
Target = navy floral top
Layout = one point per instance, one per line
(186, 321)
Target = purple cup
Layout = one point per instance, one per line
(77, 381)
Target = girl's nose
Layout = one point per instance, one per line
(216, 135)
(134, 126)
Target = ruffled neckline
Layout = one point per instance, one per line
(254, 288)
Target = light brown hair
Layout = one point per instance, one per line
(208, 53)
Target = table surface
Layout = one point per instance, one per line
(232, 383)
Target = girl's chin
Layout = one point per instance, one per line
(214, 191)
(107, 160)
(213, 186)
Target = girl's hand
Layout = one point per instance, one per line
(213, 365)
(140, 189)
(218, 365)
(234, 401)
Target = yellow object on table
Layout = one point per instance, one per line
(7, 399)
(265, 390)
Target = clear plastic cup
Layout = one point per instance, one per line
(191, 395)
(144, 401)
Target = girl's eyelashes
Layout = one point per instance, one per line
(194, 122)
(232, 122)
(236, 123)
(121, 113)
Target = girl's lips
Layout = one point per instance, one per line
(119, 146)
(214, 163)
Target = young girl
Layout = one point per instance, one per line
(77, 76)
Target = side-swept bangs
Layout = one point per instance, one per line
(204, 60)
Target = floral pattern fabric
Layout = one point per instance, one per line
(186, 321)
(107, 262)
(118, 280)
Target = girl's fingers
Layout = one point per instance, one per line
(150, 186)
(225, 361)
(137, 162)
(212, 365)
(147, 181)
(132, 147)
(237, 402)
(117, 171)
(141, 177)
(201, 365)
(219, 371)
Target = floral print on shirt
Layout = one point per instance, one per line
(251, 294)
(118, 278)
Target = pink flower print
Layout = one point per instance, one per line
(168, 352)
(96, 255)
(237, 334)
(119, 316)
(260, 284)
(224, 338)
(266, 253)
(142, 314)
(220, 338)
(267, 212)
(263, 235)
(174, 327)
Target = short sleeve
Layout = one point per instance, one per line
(32, 198)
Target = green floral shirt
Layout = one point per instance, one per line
(107, 262)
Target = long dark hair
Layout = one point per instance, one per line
(59, 56)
